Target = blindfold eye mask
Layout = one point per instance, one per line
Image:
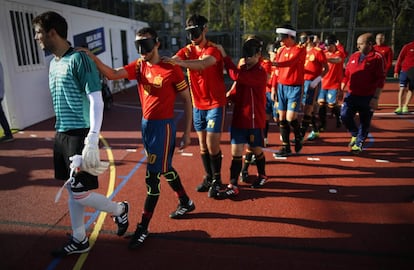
(251, 48)
(145, 45)
(250, 51)
(312, 38)
(194, 32)
(303, 39)
(280, 37)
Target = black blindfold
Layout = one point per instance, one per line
(145, 45)
(304, 39)
(194, 32)
(329, 42)
(251, 48)
(250, 51)
(280, 37)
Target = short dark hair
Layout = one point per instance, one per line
(51, 20)
(147, 30)
(197, 19)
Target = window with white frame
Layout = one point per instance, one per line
(23, 34)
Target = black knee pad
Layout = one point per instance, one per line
(171, 175)
(295, 123)
(284, 123)
(153, 183)
(307, 118)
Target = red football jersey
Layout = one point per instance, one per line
(315, 58)
(249, 96)
(364, 77)
(386, 52)
(267, 65)
(291, 62)
(158, 85)
(333, 78)
(405, 60)
(207, 86)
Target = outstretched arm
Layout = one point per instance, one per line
(107, 71)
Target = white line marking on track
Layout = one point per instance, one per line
(347, 159)
(382, 161)
(187, 154)
(313, 159)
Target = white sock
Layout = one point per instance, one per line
(99, 202)
(76, 211)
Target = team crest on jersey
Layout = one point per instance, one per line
(312, 57)
(157, 81)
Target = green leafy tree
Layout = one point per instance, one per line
(264, 15)
(395, 9)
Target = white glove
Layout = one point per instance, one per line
(90, 153)
(101, 168)
(77, 163)
(75, 166)
(315, 82)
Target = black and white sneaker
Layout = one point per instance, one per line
(283, 152)
(244, 176)
(260, 181)
(182, 210)
(72, 247)
(214, 189)
(138, 238)
(122, 220)
(230, 192)
(205, 185)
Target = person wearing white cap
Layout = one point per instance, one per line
(290, 60)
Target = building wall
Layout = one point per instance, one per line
(27, 98)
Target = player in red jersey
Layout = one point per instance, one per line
(384, 50)
(331, 83)
(249, 114)
(404, 71)
(250, 158)
(316, 67)
(204, 64)
(290, 60)
(159, 82)
(364, 78)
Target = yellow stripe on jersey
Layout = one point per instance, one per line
(181, 86)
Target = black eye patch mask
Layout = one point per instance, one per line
(194, 32)
(145, 45)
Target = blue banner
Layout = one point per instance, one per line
(94, 40)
